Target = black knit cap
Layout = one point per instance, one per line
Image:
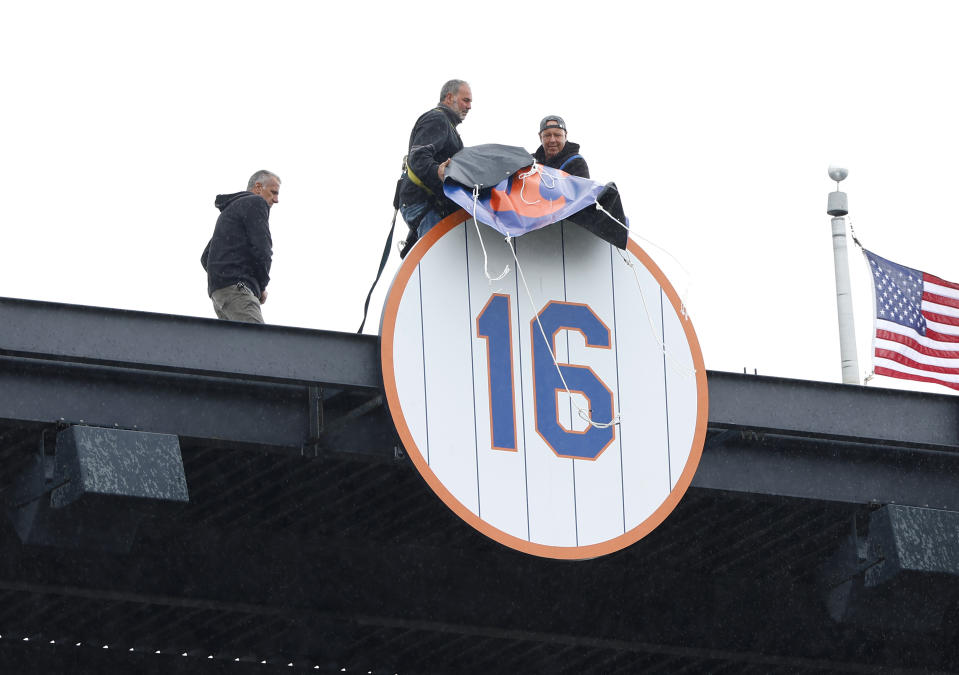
(552, 122)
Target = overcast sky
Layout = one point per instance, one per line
(717, 120)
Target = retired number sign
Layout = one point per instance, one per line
(492, 386)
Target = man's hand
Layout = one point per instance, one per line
(263, 296)
(441, 170)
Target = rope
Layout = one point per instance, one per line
(641, 237)
(532, 170)
(548, 179)
(489, 279)
(612, 217)
(852, 231)
(685, 292)
(544, 178)
(680, 368)
(583, 414)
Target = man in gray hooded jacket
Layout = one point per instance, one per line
(237, 259)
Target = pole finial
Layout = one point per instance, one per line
(838, 205)
(838, 173)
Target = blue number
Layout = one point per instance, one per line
(557, 316)
(494, 325)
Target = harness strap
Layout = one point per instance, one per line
(568, 160)
(386, 255)
(416, 180)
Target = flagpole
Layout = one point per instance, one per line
(838, 207)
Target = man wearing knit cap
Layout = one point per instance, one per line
(555, 152)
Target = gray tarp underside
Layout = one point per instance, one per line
(486, 165)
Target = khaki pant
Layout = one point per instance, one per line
(237, 303)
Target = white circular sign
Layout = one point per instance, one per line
(492, 385)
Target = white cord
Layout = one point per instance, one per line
(546, 179)
(489, 279)
(681, 368)
(532, 170)
(685, 292)
(583, 414)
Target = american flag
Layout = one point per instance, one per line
(916, 333)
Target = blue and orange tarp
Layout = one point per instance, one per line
(531, 195)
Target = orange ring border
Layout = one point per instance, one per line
(387, 327)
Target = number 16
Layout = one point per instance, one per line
(494, 324)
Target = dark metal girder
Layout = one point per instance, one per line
(300, 390)
(190, 406)
(244, 413)
(184, 344)
(829, 410)
(159, 343)
(831, 442)
(807, 462)
(829, 470)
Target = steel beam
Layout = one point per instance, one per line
(246, 384)
(829, 470)
(183, 345)
(833, 411)
(831, 442)
(187, 345)
(190, 406)
(261, 414)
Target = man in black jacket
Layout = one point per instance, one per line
(555, 152)
(237, 259)
(433, 141)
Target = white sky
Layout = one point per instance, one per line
(717, 120)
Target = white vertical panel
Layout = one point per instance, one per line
(552, 511)
(681, 392)
(642, 390)
(599, 494)
(502, 473)
(408, 363)
(448, 348)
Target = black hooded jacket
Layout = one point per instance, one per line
(241, 248)
(576, 167)
(434, 139)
